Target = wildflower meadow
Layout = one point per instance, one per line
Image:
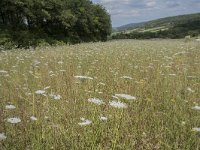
(123, 95)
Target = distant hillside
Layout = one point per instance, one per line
(130, 26)
(170, 27)
(163, 23)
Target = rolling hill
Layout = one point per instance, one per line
(169, 27)
(158, 24)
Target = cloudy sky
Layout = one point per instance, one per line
(132, 11)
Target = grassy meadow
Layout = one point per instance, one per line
(73, 97)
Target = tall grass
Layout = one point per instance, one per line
(164, 78)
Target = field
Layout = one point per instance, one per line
(126, 94)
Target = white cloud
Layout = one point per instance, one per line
(130, 11)
(150, 3)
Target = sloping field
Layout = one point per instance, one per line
(116, 95)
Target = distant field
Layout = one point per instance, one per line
(154, 29)
(126, 94)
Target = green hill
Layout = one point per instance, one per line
(169, 27)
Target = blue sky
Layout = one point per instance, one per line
(132, 11)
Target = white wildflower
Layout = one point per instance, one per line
(33, 118)
(36, 62)
(196, 129)
(101, 83)
(172, 74)
(40, 92)
(118, 104)
(183, 123)
(115, 97)
(57, 97)
(2, 136)
(103, 118)
(47, 87)
(83, 77)
(60, 62)
(126, 77)
(3, 71)
(14, 120)
(190, 90)
(84, 122)
(62, 70)
(96, 101)
(10, 107)
(196, 107)
(46, 117)
(126, 96)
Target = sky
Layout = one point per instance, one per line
(133, 11)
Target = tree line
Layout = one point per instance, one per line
(27, 23)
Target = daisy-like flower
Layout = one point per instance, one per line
(95, 101)
(118, 104)
(84, 122)
(126, 96)
(10, 107)
(33, 118)
(14, 120)
(2, 136)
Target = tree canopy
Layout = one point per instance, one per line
(28, 22)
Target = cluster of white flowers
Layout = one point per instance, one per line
(83, 77)
(84, 122)
(126, 96)
(14, 120)
(96, 101)
(2, 136)
(118, 104)
(10, 107)
(33, 118)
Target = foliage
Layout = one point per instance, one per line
(70, 21)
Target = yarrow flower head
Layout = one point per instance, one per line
(40, 92)
(126, 96)
(2, 136)
(84, 122)
(10, 107)
(126, 77)
(33, 118)
(196, 129)
(196, 107)
(14, 120)
(118, 104)
(95, 101)
(103, 118)
(83, 77)
(56, 97)
(190, 90)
